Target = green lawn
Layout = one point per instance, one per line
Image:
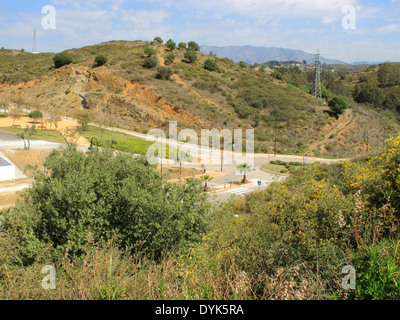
(49, 135)
(283, 167)
(118, 140)
(276, 168)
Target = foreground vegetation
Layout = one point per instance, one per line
(115, 229)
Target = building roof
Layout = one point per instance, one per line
(4, 162)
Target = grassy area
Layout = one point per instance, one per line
(282, 167)
(276, 168)
(49, 135)
(116, 140)
(119, 140)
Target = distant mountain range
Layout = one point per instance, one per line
(250, 54)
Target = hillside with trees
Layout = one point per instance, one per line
(140, 85)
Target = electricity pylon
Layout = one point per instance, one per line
(316, 89)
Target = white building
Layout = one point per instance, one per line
(7, 170)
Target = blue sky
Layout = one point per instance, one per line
(296, 24)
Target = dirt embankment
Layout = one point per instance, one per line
(115, 101)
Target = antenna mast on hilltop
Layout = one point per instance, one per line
(316, 90)
(35, 49)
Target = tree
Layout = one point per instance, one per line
(100, 60)
(158, 40)
(391, 102)
(210, 65)
(150, 62)
(164, 73)
(277, 75)
(244, 168)
(193, 46)
(206, 179)
(337, 105)
(15, 113)
(55, 119)
(86, 200)
(243, 64)
(62, 59)
(26, 136)
(149, 51)
(191, 56)
(368, 93)
(389, 74)
(182, 45)
(84, 117)
(36, 114)
(170, 44)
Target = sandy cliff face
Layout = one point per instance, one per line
(114, 100)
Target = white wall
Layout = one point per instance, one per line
(7, 170)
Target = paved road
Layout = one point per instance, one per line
(9, 141)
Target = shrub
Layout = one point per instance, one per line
(150, 62)
(61, 59)
(170, 44)
(182, 45)
(193, 46)
(36, 114)
(90, 199)
(377, 272)
(101, 60)
(164, 73)
(337, 105)
(210, 65)
(158, 40)
(170, 58)
(149, 51)
(278, 75)
(191, 56)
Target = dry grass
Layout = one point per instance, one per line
(109, 274)
(22, 158)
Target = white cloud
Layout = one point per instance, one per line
(263, 8)
(328, 20)
(388, 28)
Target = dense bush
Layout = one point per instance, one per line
(164, 73)
(337, 105)
(278, 75)
(170, 44)
(36, 114)
(389, 74)
(149, 51)
(91, 199)
(377, 272)
(101, 60)
(169, 59)
(150, 62)
(192, 45)
(158, 40)
(62, 59)
(210, 65)
(191, 56)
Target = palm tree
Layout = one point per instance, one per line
(206, 179)
(244, 167)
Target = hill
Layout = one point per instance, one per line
(127, 94)
(250, 54)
